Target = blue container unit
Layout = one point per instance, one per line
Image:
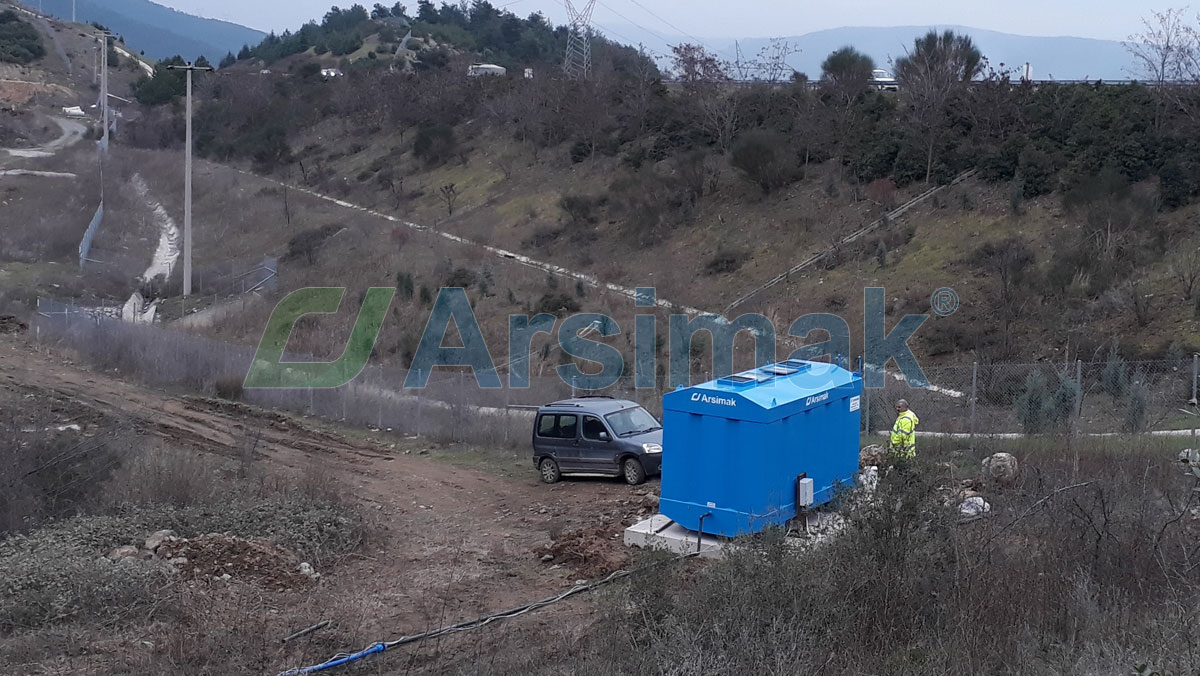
(735, 449)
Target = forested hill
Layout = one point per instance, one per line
(488, 33)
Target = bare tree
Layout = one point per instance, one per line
(702, 75)
(845, 75)
(1164, 47)
(805, 109)
(720, 115)
(1185, 267)
(695, 65)
(1008, 260)
(772, 61)
(939, 66)
(449, 194)
(1165, 53)
(1139, 301)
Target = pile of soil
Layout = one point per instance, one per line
(592, 553)
(10, 325)
(213, 556)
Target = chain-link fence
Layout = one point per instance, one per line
(1096, 397)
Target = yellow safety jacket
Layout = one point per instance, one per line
(904, 434)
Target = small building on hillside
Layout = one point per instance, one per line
(486, 69)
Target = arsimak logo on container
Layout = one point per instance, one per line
(575, 338)
(720, 401)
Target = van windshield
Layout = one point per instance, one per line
(632, 421)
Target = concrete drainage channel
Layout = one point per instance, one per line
(137, 309)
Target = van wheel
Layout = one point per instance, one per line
(634, 473)
(548, 468)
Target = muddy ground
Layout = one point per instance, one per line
(462, 532)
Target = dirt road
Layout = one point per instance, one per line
(459, 542)
(73, 131)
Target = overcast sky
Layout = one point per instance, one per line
(1106, 19)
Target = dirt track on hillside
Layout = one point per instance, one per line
(459, 543)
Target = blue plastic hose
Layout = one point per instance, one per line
(341, 661)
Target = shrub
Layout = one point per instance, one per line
(1034, 406)
(580, 209)
(229, 387)
(726, 261)
(1115, 376)
(762, 156)
(582, 150)
(19, 41)
(1136, 402)
(404, 285)
(462, 278)
(307, 244)
(435, 143)
(559, 304)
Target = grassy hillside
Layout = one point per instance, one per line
(1075, 230)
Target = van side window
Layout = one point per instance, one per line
(548, 426)
(552, 426)
(592, 428)
(567, 425)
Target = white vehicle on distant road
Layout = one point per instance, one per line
(884, 81)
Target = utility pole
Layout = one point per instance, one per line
(104, 38)
(187, 181)
(73, 11)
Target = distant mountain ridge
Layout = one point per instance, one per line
(1058, 58)
(159, 31)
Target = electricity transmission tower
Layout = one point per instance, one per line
(578, 61)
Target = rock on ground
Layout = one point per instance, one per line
(974, 506)
(871, 455)
(1001, 467)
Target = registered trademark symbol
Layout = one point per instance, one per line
(944, 302)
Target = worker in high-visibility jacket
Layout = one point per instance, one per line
(904, 432)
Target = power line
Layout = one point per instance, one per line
(679, 30)
(636, 24)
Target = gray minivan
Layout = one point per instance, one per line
(597, 435)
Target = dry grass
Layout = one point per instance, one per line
(1087, 572)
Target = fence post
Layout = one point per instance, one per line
(867, 421)
(974, 398)
(1195, 375)
(1078, 393)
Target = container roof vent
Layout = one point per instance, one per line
(784, 369)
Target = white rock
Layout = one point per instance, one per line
(126, 552)
(869, 478)
(974, 506)
(1000, 467)
(157, 538)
